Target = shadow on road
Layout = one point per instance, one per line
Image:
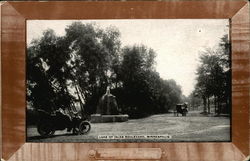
(55, 135)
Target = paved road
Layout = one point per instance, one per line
(194, 127)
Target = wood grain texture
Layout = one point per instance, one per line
(13, 82)
(128, 10)
(240, 35)
(14, 15)
(1, 3)
(172, 151)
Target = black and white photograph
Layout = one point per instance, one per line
(128, 80)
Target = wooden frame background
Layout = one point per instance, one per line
(13, 35)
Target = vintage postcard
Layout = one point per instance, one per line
(128, 80)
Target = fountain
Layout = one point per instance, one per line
(107, 110)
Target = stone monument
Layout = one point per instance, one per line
(107, 104)
(107, 110)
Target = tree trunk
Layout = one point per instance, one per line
(204, 104)
(215, 109)
(208, 104)
(80, 100)
(228, 104)
(218, 105)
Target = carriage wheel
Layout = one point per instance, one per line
(84, 127)
(44, 130)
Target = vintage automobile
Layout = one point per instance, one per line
(182, 109)
(50, 122)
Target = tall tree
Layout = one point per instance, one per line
(94, 56)
(145, 92)
(213, 76)
(46, 77)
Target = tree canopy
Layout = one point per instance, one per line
(78, 67)
(213, 77)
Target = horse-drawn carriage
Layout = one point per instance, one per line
(182, 109)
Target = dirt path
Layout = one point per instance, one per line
(194, 127)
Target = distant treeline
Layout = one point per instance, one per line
(78, 67)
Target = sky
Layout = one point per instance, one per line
(177, 42)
